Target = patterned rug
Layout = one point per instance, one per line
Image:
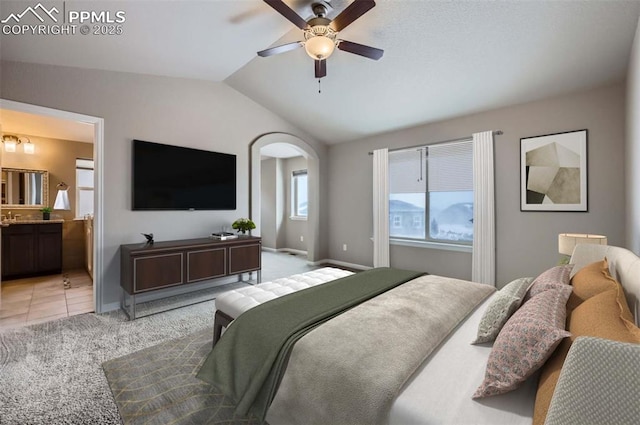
(157, 385)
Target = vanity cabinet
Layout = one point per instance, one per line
(31, 250)
(150, 267)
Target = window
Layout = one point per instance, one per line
(431, 193)
(84, 187)
(299, 198)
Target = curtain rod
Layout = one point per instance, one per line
(495, 133)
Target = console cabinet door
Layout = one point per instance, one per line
(244, 258)
(205, 264)
(157, 271)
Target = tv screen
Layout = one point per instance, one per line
(169, 177)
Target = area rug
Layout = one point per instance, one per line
(158, 385)
(51, 373)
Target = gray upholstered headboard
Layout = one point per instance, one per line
(624, 265)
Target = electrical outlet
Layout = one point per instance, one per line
(344, 247)
(301, 238)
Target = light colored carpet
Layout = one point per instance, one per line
(51, 373)
(279, 264)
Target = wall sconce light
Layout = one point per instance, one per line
(62, 198)
(29, 148)
(12, 141)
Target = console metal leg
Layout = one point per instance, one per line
(259, 272)
(129, 310)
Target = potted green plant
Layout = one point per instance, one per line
(243, 225)
(46, 212)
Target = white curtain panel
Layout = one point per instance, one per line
(381, 208)
(484, 227)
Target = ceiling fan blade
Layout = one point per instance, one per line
(360, 49)
(321, 68)
(279, 49)
(288, 13)
(351, 13)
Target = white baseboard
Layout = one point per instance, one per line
(289, 250)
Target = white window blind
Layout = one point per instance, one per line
(451, 167)
(407, 171)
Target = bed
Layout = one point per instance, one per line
(438, 387)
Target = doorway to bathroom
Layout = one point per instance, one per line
(68, 146)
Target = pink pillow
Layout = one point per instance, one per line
(550, 279)
(526, 341)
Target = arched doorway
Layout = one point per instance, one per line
(313, 170)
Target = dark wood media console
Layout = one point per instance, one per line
(151, 267)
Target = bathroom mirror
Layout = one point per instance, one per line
(25, 189)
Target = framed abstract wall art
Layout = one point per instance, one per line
(553, 172)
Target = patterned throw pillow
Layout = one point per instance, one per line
(550, 279)
(525, 342)
(598, 384)
(501, 307)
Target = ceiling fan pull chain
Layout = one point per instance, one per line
(319, 86)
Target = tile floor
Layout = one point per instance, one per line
(41, 299)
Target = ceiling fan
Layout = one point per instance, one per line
(321, 33)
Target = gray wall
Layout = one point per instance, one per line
(192, 113)
(294, 229)
(272, 204)
(632, 170)
(268, 202)
(526, 242)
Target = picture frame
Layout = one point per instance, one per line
(553, 172)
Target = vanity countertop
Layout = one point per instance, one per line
(7, 223)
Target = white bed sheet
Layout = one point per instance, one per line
(440, 390)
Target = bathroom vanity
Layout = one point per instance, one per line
(31, 248)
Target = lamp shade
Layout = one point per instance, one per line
(62, 201)
(568, 241)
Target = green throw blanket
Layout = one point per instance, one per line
(251, 357)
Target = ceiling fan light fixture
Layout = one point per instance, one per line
(321, 33)
(319, 47)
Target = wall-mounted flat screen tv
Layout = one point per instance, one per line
(166, 177)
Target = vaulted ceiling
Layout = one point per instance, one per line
(442, 59)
